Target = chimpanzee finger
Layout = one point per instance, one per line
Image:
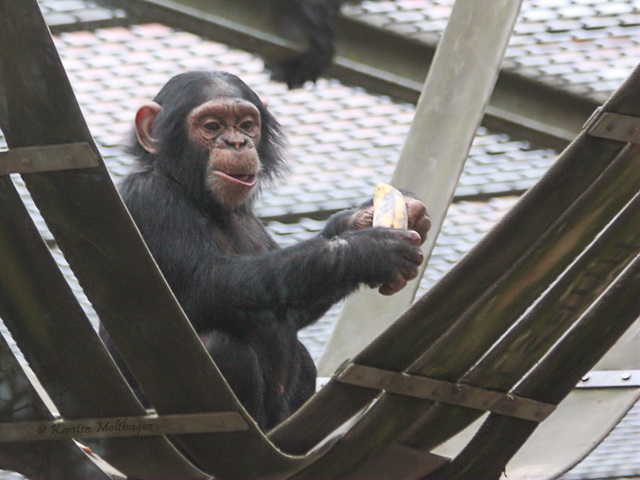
(422, 226)
(414, 254)
(362, 218)
(406, 273)
(411, 236)
(418, 217)
(415, 207)
(393, 287)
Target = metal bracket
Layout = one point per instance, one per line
(48, 158)
(613, 126)
(446, 392)
(610, 379)
(146, 425)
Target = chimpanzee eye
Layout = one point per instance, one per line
(248, 125)
(212, 126)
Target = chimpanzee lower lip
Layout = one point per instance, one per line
(248, 180)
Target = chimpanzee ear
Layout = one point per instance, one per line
(144, 126)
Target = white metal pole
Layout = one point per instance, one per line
(449, 111)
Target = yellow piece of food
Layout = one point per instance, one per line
(389, 208)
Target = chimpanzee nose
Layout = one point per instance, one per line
(235, 142)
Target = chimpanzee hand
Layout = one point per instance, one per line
(384, 257)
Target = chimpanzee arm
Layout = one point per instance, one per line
(234, 291)
(297, 283)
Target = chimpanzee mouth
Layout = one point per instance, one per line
(248, 180)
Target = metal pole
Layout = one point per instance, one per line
(451, 106)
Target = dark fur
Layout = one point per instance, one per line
(246, 297)
(307, 22)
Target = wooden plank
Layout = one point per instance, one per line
(20, 403)
(123, 426)
(533, 335)
(500, 437)
(458, 394)
(62, 348)
(102, 245)
(567, 299)
(44, 159)
(519, 287)
(310, 425)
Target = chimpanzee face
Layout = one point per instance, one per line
(211, 133)
(228, 130)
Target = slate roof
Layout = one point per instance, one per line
(586, 47)
(80, 14)
(344, 140)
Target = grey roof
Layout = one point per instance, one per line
(584, 46)
(344, 140)
(63, 14)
